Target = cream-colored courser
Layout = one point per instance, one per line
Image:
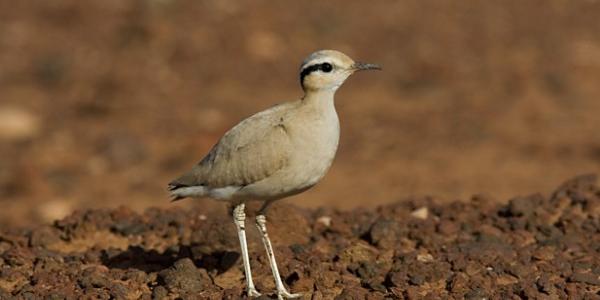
(275, 153)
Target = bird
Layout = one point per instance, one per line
(276, 153)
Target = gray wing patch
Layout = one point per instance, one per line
(251, 151)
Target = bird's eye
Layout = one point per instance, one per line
(326, 67)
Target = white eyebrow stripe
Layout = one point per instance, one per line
(320, 60)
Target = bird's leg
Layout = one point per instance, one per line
(261, 223)
(239, 218)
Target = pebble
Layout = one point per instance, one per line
(18, 123)
(420, 213)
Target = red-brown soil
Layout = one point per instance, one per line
(533, 247)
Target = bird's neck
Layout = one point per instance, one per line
(319, 97)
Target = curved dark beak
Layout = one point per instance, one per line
(358, 66)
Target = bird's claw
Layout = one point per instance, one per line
(281, 295)
(252, 292)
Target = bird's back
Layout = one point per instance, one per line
(253, 150)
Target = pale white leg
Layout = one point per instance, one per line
(239, 218)
(282, 293)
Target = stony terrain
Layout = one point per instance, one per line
(532, 247)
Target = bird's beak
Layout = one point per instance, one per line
(358, 66)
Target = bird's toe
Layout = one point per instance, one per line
(253, 293)
(287, 295)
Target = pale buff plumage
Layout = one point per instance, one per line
(278, 152)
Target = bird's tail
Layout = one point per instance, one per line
(180, 191)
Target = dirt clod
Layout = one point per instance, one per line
(184, 277)
(462, 250)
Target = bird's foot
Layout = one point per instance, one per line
(284, 294)
(252, 292)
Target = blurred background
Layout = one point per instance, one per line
(103, 102)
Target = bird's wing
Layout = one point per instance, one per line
(252, 150)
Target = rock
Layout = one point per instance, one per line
(448, 227)
(4, 294)
(159, 293)
(325, 220)
(589, 278)
(128, 226)
(352, 293)
(119, 291)
(91, 278)
(384, 233)
(43, 237)
(425, 257)
(522, 206)
(358, 252)
(18, 123)
(506, 280)
(183, 276)
(579, 183)
(544, 253)
(420, 213)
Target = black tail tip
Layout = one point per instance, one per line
(175, 198)
(173, 186)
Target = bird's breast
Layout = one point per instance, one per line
(316, 142)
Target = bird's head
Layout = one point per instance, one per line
(328, 69)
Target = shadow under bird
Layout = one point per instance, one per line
(279, 152)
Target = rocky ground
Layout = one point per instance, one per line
(532, 247)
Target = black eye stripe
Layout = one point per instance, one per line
(325, 67)
(308, 70)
